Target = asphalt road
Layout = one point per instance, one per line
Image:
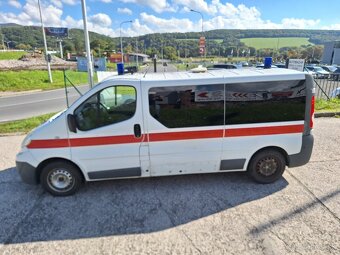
(197, 214)
(28, 105)
(37, 103)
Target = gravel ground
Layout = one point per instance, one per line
(36, 62)
(199, 214)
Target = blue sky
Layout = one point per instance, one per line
(152, 16)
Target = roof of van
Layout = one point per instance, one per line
(232, 75)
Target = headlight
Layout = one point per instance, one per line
(26, 141)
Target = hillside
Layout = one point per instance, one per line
(219, 41)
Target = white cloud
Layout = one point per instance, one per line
(299, 23)
(156, 5)
(70, 2)
(124, 11)
(100, 19)
(332, 27)
(106, 1)
(57, 3)
(14, 3)
(197, 5)
(166, 25)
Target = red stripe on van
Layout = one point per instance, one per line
(169, 136)
(50, 143)
(235, 132)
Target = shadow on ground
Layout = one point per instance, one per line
(119, 207)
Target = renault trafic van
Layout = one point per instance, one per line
(160, 124)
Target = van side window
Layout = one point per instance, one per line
(108, 106)
(188, 106)
(258, 102)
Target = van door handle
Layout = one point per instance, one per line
(137, 130)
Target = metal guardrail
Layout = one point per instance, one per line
(326, 86)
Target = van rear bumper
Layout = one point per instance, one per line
(27, 172)
(304, 155)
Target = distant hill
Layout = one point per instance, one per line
(9, 25)
(218, 41)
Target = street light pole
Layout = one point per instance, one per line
(202, 26)
(121, 40)
(87, 45)
(45, 45)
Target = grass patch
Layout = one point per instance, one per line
(322, 105)
(38, 79)
(274, 43)
(6, 55)
(24, 126)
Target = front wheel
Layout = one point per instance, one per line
(267, 166)
(60, 178)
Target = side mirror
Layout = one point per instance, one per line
(71, 121)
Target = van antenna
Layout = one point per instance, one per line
(146, 71)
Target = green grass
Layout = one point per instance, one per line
(274, 43)
(11, 54)
(24, 126)
(332, 105)
(38, 79)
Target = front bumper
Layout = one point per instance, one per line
(27, 172)
(304, 155)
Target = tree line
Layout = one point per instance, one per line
(221, 42)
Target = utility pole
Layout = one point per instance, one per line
(87, 45)
(47, 58)
(121, 40)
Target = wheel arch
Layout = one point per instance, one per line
(44, 163)
(276, 148)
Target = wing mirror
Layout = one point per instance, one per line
(71, 121)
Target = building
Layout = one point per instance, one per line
(331, 53)
(129, 57)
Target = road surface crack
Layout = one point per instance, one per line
(161, 207)
(19, 224)
(314, 196)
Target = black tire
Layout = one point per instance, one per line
(61, 178)
(267, 166)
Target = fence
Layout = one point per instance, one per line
(325, 87)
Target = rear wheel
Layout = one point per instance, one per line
(267, 166)
(60, 178)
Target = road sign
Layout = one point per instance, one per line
(202, 42)
(57, 31)
(202, 49)
(296, 64)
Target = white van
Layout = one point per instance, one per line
(162, 124)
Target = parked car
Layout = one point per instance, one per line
(319, 72)
(336, 74)
(223, 66)
(329, 69)
(280, 65)
(306, 70)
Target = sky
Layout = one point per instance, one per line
(154, 16)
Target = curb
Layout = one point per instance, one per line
(326, 114)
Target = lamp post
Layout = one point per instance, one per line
(121, 41)
(87, 45)
(45, 45)
(201, 16)
(202, 26)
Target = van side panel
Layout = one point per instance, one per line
(263, 114)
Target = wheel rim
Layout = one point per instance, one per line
(60, 180)
(267, 166)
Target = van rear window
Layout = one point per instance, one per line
(259, 102)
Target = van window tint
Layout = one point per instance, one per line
(108, 106)
(188, 106)
(258, 102)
